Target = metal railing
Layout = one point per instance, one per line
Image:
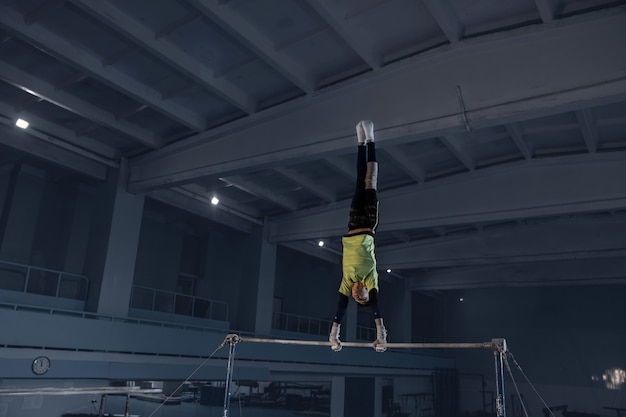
(151, 299)
(311, 325)
(301, 324)
(42, 281)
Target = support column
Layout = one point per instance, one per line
(110, 264)
(265, 289)
(337, 396)
(119, 265)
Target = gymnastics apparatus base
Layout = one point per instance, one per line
(497, 345)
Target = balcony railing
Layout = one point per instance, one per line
(301, 324)
(310, 325)
(175, 303)
(42, 281)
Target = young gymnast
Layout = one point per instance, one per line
(360, 278)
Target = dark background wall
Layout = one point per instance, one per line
(563, 338)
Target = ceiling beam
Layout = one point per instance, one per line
(548, 9)
(120, 54)
(93, 145)
(168, 52)
(537, 188)
(307, 183)
(76, 78)
(416, 99)
(49, 149)
(563, 239)
(343, 167)
(447, 19)
(177, 24)
(588, 129)
(530, 274)
(239, 28)
(73, 104)
(456, 148)
(261, 192)
(335, 17)
(408, 167)
(41, 11)
(515, 132)
(69, 52)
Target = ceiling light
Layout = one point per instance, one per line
(215, 201)
(320, 243)
(389, 271)
(21, 123)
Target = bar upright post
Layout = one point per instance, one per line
(499, 350)
(232, 339)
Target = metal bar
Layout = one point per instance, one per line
(487, 345)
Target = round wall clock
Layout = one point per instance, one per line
(41, 365)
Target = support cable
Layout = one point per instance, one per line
(530, 384)
(519, 395)
(189, 377)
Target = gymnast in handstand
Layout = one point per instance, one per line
(360, 278)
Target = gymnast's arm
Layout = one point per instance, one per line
(342, 304)
(373, 302)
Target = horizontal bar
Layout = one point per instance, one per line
(488, 345)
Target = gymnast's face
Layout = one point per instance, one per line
(360, 293)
